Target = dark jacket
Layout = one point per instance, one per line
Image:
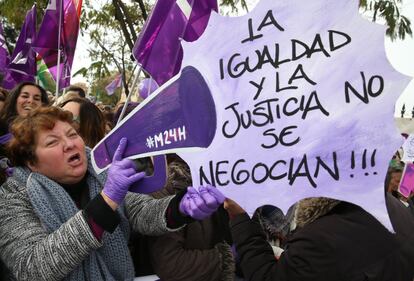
(197, 252)
(345, 244)
(200, 251)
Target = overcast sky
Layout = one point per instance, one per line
(400, 54)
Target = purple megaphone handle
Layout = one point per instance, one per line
(180, 115)
(154, 182)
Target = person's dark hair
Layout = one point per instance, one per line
(92, 123)
(78, 89)
(131, 106)
(9, 110)
(274, 223)
(109, 116)
(179, 176)
(178, 179)
(22, 146)
(4, 95)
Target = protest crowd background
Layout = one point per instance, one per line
(61, 220)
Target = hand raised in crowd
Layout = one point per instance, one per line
(202, 203)
(121, 175)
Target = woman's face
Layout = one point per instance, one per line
(394, 181)
(60, 154)
(29, 98)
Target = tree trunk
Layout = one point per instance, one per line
(119, 16)
(143, 10)
(128, 20)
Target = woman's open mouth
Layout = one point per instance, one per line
(75, 159)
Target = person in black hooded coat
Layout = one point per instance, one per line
(335, 240)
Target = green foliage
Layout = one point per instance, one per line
(399, 26)
(233, 4)
(15, 11)
(98, 90)
(108, 45)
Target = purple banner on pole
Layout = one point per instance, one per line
(22, 66)
(48, 43)
(146, 87)
(4, 139)
(23, 61)
(406, 187)
(4, 52)
(158, 48)
(115, 84)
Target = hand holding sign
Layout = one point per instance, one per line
(202, 203)
(304, 98)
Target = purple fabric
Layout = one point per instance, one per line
(406, 187)
(184, 105)
(158, 48)
(23, 61)
(9, 171)
(4, 52)
(5, 138)
(115, 84)
(146, 87)
(264, 69)
(47, 46)
(121, 175)
(97, 230)
(202, 203)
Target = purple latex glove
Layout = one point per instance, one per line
(121, 175)
(202, 203)
(9, 171)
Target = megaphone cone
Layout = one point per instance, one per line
(179, 116)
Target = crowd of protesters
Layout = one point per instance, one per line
(59, 220)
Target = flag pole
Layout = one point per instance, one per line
(129, 95)
(149, 87)
(135, 82)
(58, 61)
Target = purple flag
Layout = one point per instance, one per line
(115, 84)
(158, 48)
(23, 61)
(47, 43)
(4, 53)
(406, 186)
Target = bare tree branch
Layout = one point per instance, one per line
(142, 8)
(119, 16)
(128, 19)
(100, 44)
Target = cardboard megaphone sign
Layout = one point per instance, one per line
(180, 116)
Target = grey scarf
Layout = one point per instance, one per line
(54, 207)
